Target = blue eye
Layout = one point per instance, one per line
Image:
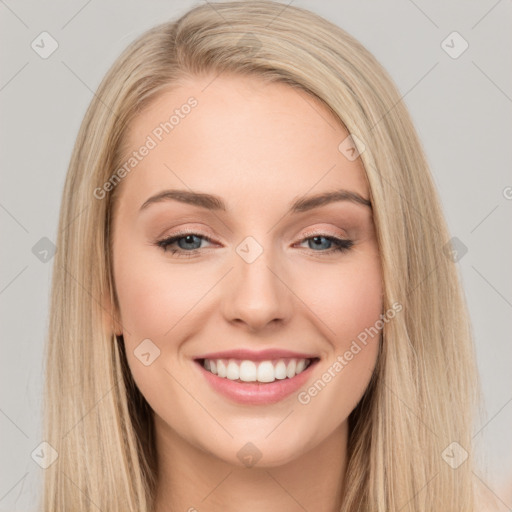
(191, 244)
(188, 244)
(340, 245)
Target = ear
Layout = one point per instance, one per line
(111, 317)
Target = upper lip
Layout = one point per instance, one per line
(261, 355)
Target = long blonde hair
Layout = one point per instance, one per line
(424, 391)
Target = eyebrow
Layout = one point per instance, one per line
(215, 203)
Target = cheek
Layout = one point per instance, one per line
(349, 304)
(153, 297)
(153, 294)
(347, 298)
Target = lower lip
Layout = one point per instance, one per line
(257, 393)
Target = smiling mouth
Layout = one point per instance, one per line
(264, 372)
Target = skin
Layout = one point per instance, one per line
(259, 147)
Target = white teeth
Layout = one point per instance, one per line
(300, 366)
(290, 371)
(248, 371)
(233, 371)
(280, 370)
(251, 371)
(221, 368)
(266, 372)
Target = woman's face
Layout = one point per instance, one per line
(250, 272)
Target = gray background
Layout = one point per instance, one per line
(462, 110)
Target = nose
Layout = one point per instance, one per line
(257, 293)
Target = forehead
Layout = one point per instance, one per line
(239, 138)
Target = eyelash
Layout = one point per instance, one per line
(340, 245)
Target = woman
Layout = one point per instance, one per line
(254, 303)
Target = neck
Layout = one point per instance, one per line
(191, 479)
